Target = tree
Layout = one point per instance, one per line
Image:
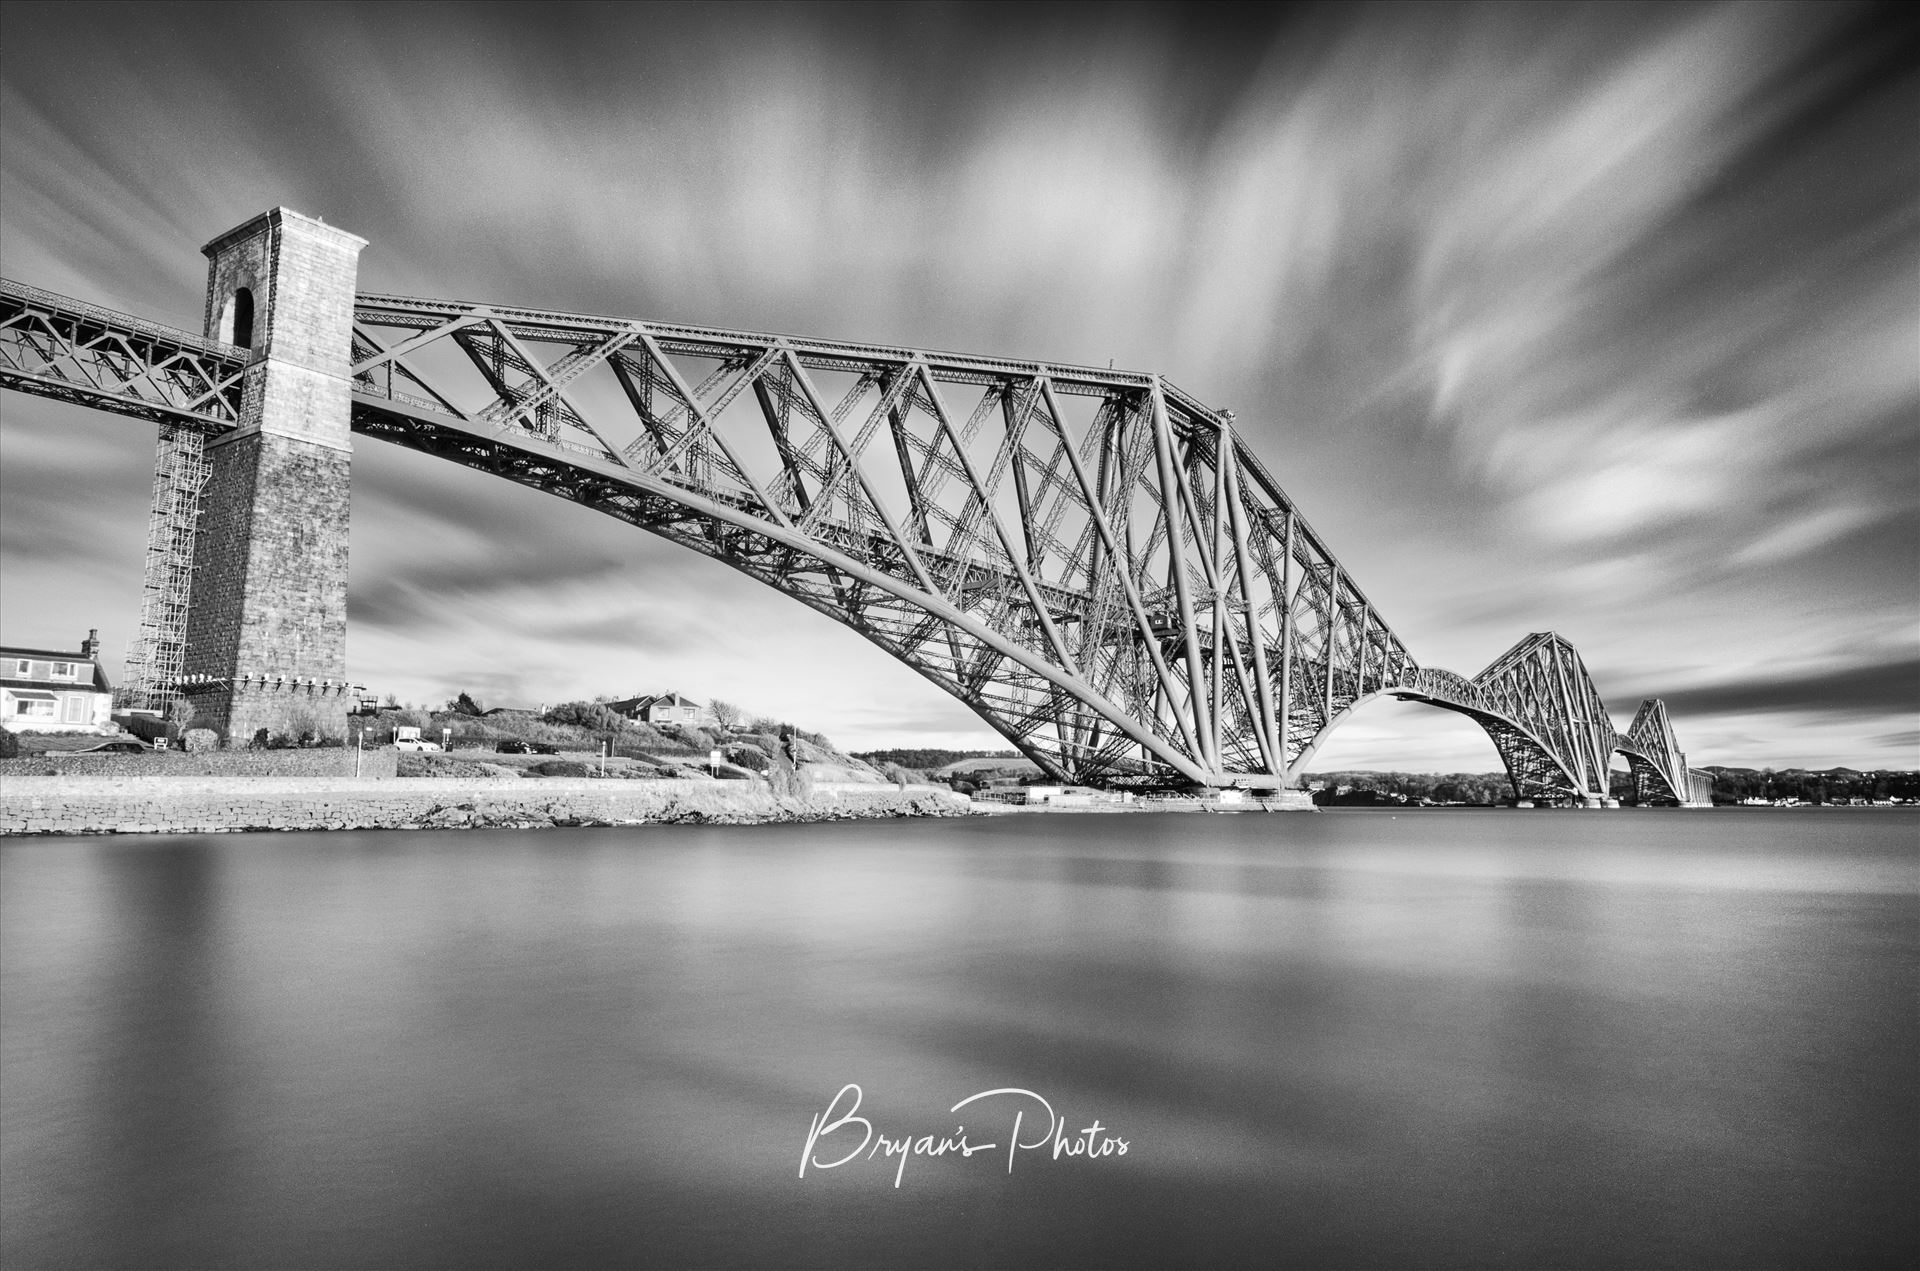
(465, 705)
(589, 715)
(725, 714)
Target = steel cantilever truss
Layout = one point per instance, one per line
(1091, 559)
(79, 353)
(1545, 717)
(1660, 772)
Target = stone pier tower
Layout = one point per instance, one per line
(266, 640)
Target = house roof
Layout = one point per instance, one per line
(100, 683)
(633, 705)
(44, 655)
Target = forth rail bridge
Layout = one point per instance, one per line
(1092, 560)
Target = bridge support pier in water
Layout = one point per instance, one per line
(266, 622)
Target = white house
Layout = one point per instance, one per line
(50, 691)
(660, 708)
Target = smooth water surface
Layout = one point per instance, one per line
(1630, 1038)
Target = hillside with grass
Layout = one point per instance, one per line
(588, 738)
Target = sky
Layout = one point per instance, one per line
(1596, 319)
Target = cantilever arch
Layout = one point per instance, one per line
(267, 619)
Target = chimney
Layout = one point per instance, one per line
(90, 647)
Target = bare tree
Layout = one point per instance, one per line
(725, 714)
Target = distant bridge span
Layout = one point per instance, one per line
(1092, 560)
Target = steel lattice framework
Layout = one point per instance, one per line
(80, 353)
(1092, 560)
(1553, 732)
(1660, 771)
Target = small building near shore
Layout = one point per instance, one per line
(659, 708)
(55, 691)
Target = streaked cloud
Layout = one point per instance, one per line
(1875, 689)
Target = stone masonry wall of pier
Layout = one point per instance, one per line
(267, 622)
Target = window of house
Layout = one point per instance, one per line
(61, 670)
(23, 668)
(34, 706)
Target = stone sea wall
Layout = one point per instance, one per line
(200, 805)
(175, 765)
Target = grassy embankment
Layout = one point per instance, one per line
(619, 748)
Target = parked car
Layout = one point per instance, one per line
(118, 746)
(415, 743)
(512, 747)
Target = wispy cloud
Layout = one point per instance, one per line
(1886, 689)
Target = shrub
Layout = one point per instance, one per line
(680, 772)
(748, 756)
(414, 764)
(198, 741)
(407, 719)
(562, 768)
(591, 715)
(9, 744)
(302, 726)
(645, 734)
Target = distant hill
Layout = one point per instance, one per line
(926, 760)
(1365, 788)
(1813, 785)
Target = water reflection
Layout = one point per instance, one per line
(1349, 1039)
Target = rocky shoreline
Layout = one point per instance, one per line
(467, 816)
(40, 805)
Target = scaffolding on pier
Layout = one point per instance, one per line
(157, 658)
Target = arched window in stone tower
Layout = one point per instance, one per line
(242, 318)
